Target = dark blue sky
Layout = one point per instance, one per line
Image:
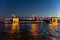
(27, 7)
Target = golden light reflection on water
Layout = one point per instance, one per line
(15, 28)
(53, 28)
(34, 30)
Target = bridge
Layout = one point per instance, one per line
(32, 19)
(17, 21)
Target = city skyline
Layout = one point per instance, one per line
(28, 7)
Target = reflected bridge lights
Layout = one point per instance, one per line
(34, 30)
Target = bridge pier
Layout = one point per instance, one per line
(54, 25)
(15, 25)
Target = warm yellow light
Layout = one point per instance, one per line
(54, 25)
(37, 21)
(15, 24)
(34, 29)
(54, 21)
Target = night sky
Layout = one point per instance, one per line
(28, 7)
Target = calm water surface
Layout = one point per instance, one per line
(40, 31)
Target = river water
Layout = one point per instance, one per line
(39, 31)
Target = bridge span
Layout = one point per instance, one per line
(30, 19)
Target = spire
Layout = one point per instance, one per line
(56, 15)
(13, 15)
(50, 16)
(33, 15)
